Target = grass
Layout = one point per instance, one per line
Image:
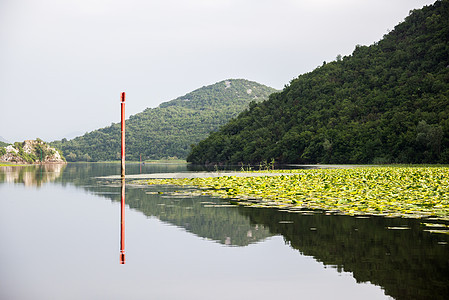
(399, 191)
(3, 164)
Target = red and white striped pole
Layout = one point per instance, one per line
(122, 204)
(123, 134)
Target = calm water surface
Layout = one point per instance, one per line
(60, 239)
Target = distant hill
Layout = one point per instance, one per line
(168, 130)
(386, 103)
(3, 142)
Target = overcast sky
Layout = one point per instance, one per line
(64, 63)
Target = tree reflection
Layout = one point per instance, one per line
(408, 264)
(33, 175)
(396, 254)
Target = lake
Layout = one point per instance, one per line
(60, 231)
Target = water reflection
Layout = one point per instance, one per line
(396, 254)
(85, 173)
(122, 222)
(33, 175)
(205, 217)
(408, 263)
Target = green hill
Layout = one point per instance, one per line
(385, 103)
(170, 129)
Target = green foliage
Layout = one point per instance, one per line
(71, 157)
(388, 103)
(412, 192)
(41, 150)
(27, 157)
(170, 129)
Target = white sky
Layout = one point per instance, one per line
(64, 63)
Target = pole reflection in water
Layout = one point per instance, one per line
(122, 223)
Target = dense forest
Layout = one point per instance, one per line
(385, 103)
(169, 130)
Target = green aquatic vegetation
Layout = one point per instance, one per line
(389, 191)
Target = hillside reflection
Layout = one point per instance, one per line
(407, 263)
(396, 254)
(203, 216)
(33, 175)
(399, 255)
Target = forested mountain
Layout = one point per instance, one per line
(385, 103)
(168, 130)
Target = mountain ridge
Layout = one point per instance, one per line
(385, 103)
(168, 130)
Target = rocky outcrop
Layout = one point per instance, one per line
(30, 152)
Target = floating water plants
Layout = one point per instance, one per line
(414, 192)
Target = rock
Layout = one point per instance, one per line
(11, 149)
(29, 152)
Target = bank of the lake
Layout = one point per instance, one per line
(393, 191)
